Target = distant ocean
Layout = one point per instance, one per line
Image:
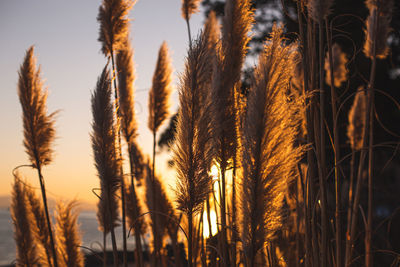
(91, 236)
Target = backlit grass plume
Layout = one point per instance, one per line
(38, 126)
(68, 236)
(319, 9)
(126, 77)
(114, 24)
(40, 230)
(380, 36)
(193, 154)
(105, 156)
(193, 151)
(22, 218)
(189, 7)
(340, 71)
(39, 129)
(269, 160)
(357, 120)
(212, 33)
(160, 90)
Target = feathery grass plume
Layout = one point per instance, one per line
(41, 232)
(161, 89)
(189, 7)
(114, 24)
(105, 156)
(270, 158)
(212, 33)
(319, 9)
(380, 10)
(39, 130)
(193, 153)
(68, 236)
(357, 120)
(22, 218)
(126, 77)
(340, 72)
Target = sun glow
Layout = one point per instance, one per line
(213, 220)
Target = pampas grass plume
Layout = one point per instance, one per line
(340, 72)
(381, 36)
(357, 119)
(22, 218)
(114, 24)
(193, 152)
(319, 9)
(68, 237)
(104, 150)
(41, 231)
(189, 7)
(161, 89)
(269, 160)
(126, 77)
(39, 129)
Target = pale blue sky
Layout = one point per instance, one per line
(65, 37)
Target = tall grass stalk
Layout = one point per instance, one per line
(38, 126)
(336, 148)
(236, 26)
(159, 105)
(193, 151)
(189, 7)
(114, 29)
(377, 33)
(105, 156)
(126, 77)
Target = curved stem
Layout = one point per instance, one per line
(336, 151)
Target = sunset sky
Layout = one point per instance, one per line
(65, 37)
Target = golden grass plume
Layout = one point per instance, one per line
(41, 231)
(114, 24)
(104, 151)
(193, 151)
(357, 119)
(68, 236)
(236, 26)
(269, 160)
(126, 77)
(189, 7)
(161, 89)
(39, 132)
(319, 9)
(22, 218)
(340, 71)
(381, 35)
